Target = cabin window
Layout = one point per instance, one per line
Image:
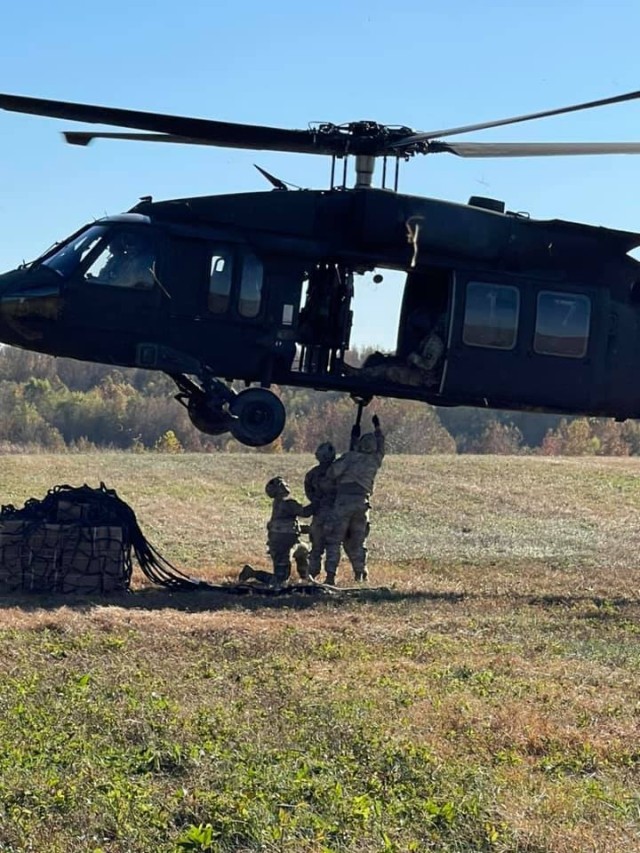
(562, 324)
(127, 260)
(491, 315)
(251, 286)
(220, 281)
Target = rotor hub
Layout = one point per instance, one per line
(363, 137)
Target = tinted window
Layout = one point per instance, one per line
(67, 258)
(562, 324)
(220, 281)
(491, 315)
(127, 260)
(251, 287)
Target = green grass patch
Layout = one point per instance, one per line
(483, 699)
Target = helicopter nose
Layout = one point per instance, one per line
(29, 303)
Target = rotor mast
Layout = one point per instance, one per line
(365, 167)
(367, 141)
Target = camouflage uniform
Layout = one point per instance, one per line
(283, 531)
(353, 475)
(428, 354)
(320, 492)
(428, 325)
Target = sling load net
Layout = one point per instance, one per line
(78, 540)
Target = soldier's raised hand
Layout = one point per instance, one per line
(375, 420)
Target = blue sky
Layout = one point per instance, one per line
(422, 64)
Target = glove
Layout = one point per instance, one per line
(375, 420)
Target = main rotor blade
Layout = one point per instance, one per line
(221, 133)
(533, 149)
(469, 128)
(461, 149)
(79, 137)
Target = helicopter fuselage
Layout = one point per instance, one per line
(498, 310)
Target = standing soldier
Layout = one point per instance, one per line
(353, 475)
(283, 537)
(320, 492)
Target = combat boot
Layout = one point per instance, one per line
(301, 557)
(361, 574)
(330, 579)
(281, 575)
(246, 574)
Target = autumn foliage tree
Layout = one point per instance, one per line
(61, 404)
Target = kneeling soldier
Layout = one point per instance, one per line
(283, 537)
(283, 531)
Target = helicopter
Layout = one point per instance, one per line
(498, 310)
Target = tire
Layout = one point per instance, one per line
(258, 417)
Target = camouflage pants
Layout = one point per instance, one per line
(280, 547)
(318, 534)
(348, 526)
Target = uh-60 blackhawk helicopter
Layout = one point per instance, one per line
(498, 310)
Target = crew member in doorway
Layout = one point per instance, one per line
(430, 348)
(421, 367)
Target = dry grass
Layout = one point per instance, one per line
(504, 646)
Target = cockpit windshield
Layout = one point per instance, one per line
(66, 259)
(126, 259)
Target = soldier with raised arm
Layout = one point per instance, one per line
(353, 476)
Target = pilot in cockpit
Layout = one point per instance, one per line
(127, 261)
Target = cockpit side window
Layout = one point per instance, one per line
(251, 286)
(220, 272)
(127, 259)
(69, 256)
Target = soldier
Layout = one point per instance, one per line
(426, 324)
(130, 262)
(353, 475)
(320, 492)
(283, 537)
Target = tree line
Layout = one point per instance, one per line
(56, 404)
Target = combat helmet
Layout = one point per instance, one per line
(276, 488)
(368, 443)
(325, 453)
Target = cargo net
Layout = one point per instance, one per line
(78, 540)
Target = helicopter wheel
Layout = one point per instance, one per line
(258, 417)
(208, 419)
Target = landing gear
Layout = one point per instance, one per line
(258, 417)
(254, 417)
(209, 419)
(206, 405)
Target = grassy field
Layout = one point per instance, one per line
(481, 695)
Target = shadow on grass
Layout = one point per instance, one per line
(578, 600)
(201, 601)
(299, 597)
